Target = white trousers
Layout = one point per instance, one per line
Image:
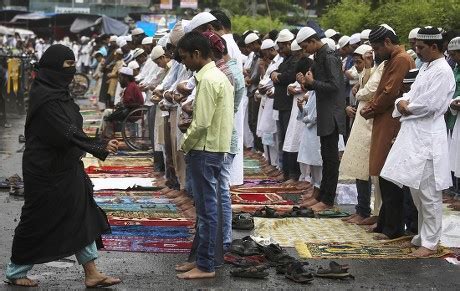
(312, 174)
(429, 205)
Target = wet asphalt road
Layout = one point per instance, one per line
(156, 271)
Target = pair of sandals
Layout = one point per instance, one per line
(300, 212)
(266, 212)
(276, 255)
(245, 247)
(335, 271)
(243, 221)
(241, 261)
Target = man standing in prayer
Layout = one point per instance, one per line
(206, 142)
(419, 157)
(326, 78)
(454, 53)
(384, 42)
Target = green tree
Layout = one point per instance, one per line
(241, 23)
(347, 16)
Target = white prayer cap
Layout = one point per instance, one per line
(119, 51)
(295, 46)
(365, 34)
(304, 33)
(412, 54)
(355, 38)
(157, 52)
(122, 43)
(388, 27)
(82, 39)
(137, 31)
(330, 43)
(330, 33)
(198, 20)
(362, 49)
(126, 71)
(252, 37)
(285, 35)
(177, 32)
(147, 40)
(413, 33)
(267, 43)
(137, 52)
(343, 41)
(129, 38)
(454, 44)
(133, 65)
(113, 38)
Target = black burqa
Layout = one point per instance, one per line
(59, 216)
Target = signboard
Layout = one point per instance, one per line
(84, 10)
(161, 20)
(189, 4)
(166, 4)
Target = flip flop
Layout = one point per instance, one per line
(335, 271)
(243, 221)
(12, 282)
(332, 214)
(299, 273)
(103, 283)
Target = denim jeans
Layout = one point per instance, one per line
(204, 169)
(226, 201)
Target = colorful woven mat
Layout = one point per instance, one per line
(388, 250)
(287, 231)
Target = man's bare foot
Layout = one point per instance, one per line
(381, 236)
(290, 182)
(369, 221)
(320, 207)
(422, 252)
(309, 203)
(370, 228)
(357, 219)
(172, 194)
(349, 217)
(24, 282)
(196, 273)
(184, 267)
(407, 245)
(101, 281)
(166, 190)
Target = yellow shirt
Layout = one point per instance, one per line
(212, 124)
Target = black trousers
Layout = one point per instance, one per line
(391, 217)
(253, 113)
(330, 156)
(290, 166)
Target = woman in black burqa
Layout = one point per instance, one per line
(59, 217)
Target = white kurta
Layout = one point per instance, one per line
(423, 135)
(292, 139)
(454, 148)
(310, 145)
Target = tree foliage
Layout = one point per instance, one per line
(351, 16)
(241, 23)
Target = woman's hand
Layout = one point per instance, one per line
(112, 146)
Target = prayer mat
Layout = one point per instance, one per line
(287, 231)
(259, 198)
(144, 222)
(388, 250)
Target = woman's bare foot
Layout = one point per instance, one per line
(422, 252)
(94, 279)
(320, 207)
(24, 282)
(196, 273)
(184, 267)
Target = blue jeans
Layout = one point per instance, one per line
(205, 168)
(226, 201)
(87, 254)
